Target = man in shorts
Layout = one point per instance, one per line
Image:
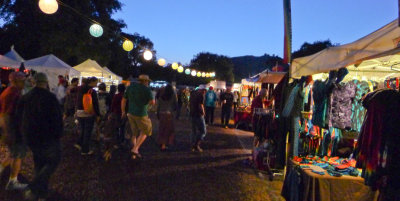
(140, 97)
(10, 134)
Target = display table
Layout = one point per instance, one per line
(304, 185)
(242, 118)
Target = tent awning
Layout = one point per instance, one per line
(114, 76)
(12, 54)
(7, 62)
(385, 39)
(91, 68)
(267, 76)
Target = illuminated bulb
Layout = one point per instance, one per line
(198, 74)
(203, 74)
(161, 62)
(96, 30)
(187, 71)
(175, 66)
(147, 55)
(48, 6)
(127, 45)
(180, 69)
(193, 73)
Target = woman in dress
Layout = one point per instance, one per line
(167, 104)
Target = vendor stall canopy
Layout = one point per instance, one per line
(114, 76)
(9, 63)
(91, 68)
(267, 76)
(12, 54)
(53, 67)
(375, 56)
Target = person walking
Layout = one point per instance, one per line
(115, 126)
(211, 98)
(227, 103)
(104, 103)
(197, 119)
(167, 104)
(70, 98)
(257, 103)
(87, 112)
(11, 135)
(235, 100)
(140, 97)
(42, 126)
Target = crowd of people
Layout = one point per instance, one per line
(34, 116)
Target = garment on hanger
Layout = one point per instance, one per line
(358, 111)
(341, 104)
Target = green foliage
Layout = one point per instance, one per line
(66, 34)
(246, 66)
(308, 49)
(208, 62)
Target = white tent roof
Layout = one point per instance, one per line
(92, 68)
(12, 54)
(7, 62)
(385, 39)
(268, 76)
(53, 67)
(114, 76)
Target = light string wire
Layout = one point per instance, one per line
(137, 44)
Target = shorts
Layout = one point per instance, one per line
(18, 151)
(140, 125)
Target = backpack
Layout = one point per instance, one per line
(88, 102)
(103, 103)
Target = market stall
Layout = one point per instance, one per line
(12, 54)
(91, 68)
(7, 66)
(340, 108)
(52, 67)
(114, 77)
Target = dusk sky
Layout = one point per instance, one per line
(182, 28)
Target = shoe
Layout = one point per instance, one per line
(29, 195)
(199, 149)
(16, 185)
(87, 153)
(77, 146)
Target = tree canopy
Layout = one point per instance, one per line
(311, 48)
(66, 33)
(222, 65)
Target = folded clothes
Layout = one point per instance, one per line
(304, 166)
(318, 172)
(334, 173)
(323, 165)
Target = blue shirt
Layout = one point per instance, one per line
(211, 97)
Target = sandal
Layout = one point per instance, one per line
(136, 156)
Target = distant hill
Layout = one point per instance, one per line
(245, 66)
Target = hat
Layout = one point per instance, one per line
(211, 88)
(15, 76)
(40, 77)
(144, 77)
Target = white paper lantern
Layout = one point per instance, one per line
(203, 74)
(96, 30)
(161, 62)
(127, 45)
(147, 55)
(48, 6)
(193, 73)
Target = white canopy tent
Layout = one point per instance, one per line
(12, 54)
(53, 67)
(113, 75)
(268, 76)
(383, 41)
(91, 68)
(9, 63)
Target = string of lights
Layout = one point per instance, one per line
(96, 30)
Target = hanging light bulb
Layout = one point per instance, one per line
(48, 6)
(147, 55)
(207, 74)
(180, 69)
(198, 74)
(96, 30)
(213, 74)
(175, 66)
(187, 71)
(203, 74)
(127, 45)
(193, 73)
(161, 62)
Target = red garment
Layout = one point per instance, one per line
(116, 103)
(9, 99)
